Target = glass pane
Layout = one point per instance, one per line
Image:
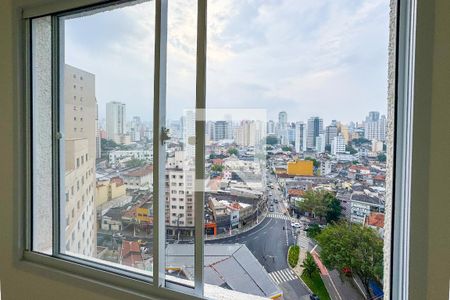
(180, 151)
(310, 167)
(107, 157)
(42, 135)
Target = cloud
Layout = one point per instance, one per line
(326, 58)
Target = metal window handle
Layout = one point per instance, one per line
(165, 136)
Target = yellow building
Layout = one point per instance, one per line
(300, 168)
(143, 215)
(109, 189)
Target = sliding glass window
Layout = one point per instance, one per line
(246, 155)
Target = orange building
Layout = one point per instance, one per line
(300, 168)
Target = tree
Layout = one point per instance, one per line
(309, 265)
(108, 145)
(360, 141)
(313, 231)
(217, 168)
(334, 208)
(233, 151)
(350, 149)
(316, 164)
(271, 140)
(134, 163)
(352, 246)
(322, 204)
(381, 157)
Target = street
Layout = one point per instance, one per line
(269, 242)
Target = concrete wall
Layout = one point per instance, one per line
(430, 243)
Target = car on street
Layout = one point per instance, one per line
(296, 225)
(313, 297)
(275, 200)
(118, 235)
(271, 209)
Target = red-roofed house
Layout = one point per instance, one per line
(130, 254)
(375, 221)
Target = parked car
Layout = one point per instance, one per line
(314, 297)
(296, 225)
(271, 209)
(118, 235)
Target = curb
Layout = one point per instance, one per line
(299, 276)
(264, 215)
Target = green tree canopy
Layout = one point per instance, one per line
(217, 168)
(381, 157)
(316, 164)
(309, 265)
(322, 204)
(233, 151)
(108, 145)
(352, 246)
(360, 141)
(350, 149)
(134, 162)
(313, 231)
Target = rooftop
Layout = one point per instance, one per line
(140, 172)
(230, 266)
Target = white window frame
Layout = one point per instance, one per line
(158, 288)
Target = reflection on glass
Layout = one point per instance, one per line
(305, 166)
(180, 149)
(107, 92)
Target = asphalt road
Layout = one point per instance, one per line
(269, 242)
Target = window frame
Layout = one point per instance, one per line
(120, 279)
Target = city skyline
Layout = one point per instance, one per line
(320, 67)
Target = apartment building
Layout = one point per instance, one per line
(80, 151)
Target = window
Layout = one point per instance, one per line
(253, 119)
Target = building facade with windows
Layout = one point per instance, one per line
(80, 153)
(115, 121)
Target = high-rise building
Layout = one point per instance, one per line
(80, 151)
(180, 176)
(283, 128)
(115, 120)
(299, 137)
(315, 127)
(291, 133)
(375, 127)
(338, 145)
(270, 127)
(320, 143)
(330, 133)
(222, 130)
(249, 133)
(98, 138)
(282, 117)
(373, 116)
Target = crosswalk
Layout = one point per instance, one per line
(284, 275)
(281, 216)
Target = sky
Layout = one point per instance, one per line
(325, 58)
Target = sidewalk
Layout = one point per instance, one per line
(298, 270)
(238, 231)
